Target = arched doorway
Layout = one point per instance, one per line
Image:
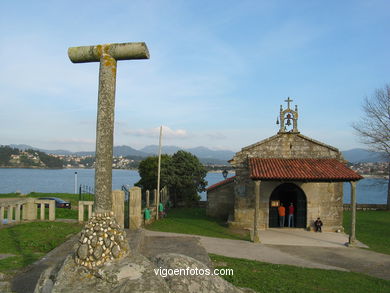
(285, 194)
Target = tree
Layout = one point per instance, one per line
(147, 170)
(374, 127)
(186, 177)
(182, 173)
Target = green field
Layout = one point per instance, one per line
(372, 228)
(265, 277)
(28, 242)
(194, 221)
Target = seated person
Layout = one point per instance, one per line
(318, 225)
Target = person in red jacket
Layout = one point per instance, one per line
(282, 214)
(291, 210)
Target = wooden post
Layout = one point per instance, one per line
(256, 237)
(158, 173)
(352, 236)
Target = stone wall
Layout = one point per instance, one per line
(323, 200)
(220, 201)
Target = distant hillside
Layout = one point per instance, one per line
(205, 155)
(362, 156)
(200, 152)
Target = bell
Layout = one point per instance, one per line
(277, 120)
(288, 122)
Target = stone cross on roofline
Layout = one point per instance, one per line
(286, 116)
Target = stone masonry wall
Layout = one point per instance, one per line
(220, 201)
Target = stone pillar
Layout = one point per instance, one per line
(89, 211)
(352, 236)
(155, 197)
(10, 213)
(256, 237)
(135, 208)
(1, 215)
(118, 206)
(30, 210)
(17, 212)
(81, 211)
(42, 211)
(104, 134)
(147, 193)
(52, 210)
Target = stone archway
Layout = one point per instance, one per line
(287, 193)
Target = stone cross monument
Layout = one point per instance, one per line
(102, 239)
(107, 55)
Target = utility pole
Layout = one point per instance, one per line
(158, 173)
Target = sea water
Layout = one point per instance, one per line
(368, 190)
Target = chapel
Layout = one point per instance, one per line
(286, 168)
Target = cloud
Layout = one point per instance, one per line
(154, 132)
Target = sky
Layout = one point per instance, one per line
(217, 74)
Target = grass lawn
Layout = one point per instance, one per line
(265, 277)
(372, 228)
(195, 221)
(30, 241)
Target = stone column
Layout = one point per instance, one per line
(10, 213)
(30, 210)
(104, 134)
(256, 237)
(147, 194)
(155, 197)
(1, 215)
(17, 212)
(81, 211)
(352, 236)
(89, 211)
(42, 211)
(52, 210)
(118, 206)
(135, 208)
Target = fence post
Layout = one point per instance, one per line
(147, 198)
(155, 197)
(1, 215)
(135, 209)
(81, 212)
(42, 211)
(118, 206)
(52, 211)
(30, 210)
(89, 211)
(17, 212)
(10, 213)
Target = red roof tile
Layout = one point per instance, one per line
(220, 183)
(301, 169)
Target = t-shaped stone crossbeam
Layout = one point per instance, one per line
(107, 55)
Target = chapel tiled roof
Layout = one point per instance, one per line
(220, 183)
(300, 170)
